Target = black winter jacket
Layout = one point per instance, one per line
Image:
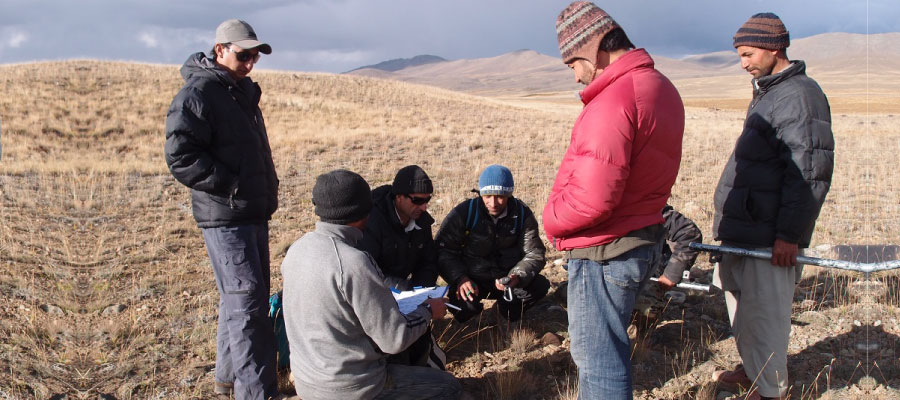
(489, 250)
(216, 144)
(399, 254)
(680, 232)
(777, 177)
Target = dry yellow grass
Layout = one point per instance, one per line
(94, 229)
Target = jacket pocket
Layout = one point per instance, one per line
(736, 204)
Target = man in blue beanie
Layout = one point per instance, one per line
(489, 246)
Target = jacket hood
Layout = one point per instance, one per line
(797, 67)
(198, 65)
(637, 58)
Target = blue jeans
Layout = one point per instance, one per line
(412, 383)
(245, 340)
(600, 299)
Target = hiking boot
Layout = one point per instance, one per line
(732, 381)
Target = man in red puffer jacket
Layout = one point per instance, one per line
(616, 176)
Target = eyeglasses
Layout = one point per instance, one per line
(244, 56)
(418, 200)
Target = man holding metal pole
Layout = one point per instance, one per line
(768, 198)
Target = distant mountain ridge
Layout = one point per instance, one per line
(401, 63)
(830, 57)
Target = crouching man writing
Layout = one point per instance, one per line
(341, 321)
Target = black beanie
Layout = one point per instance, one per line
(341, 197)
(411, 179)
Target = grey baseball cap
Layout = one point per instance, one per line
(240, 33)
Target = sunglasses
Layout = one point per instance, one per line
(418, 200)
(244, 56)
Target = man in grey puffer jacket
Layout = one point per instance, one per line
(341, 320)
(768, 198)
(216, 144)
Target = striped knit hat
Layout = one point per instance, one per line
(579, 28)
(764, 31)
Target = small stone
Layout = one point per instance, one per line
(556, 308)
(114, 309)
(51, 309)
(551, 338)
(675, 297)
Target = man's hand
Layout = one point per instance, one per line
(784, 254)
(512, 282)
(438, 307)
(665, 284)
(466, 290)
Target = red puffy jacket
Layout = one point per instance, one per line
(623, 156)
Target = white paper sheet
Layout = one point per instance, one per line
(408, 300)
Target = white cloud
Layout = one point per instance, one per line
(148, 40)
(16, 39)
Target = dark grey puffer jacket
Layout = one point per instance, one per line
(489, 250)
(776, 180)
(216, 144)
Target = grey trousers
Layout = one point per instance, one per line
(410, 383)
(759, 296)
(245, 341)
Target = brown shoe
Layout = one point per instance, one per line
(732, 381)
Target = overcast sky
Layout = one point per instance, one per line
(339, 35)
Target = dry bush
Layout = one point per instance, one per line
(511, 384)
(521, 340)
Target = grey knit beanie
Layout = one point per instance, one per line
(341, 197)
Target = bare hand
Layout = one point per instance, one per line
(784, 254)
(513, 282)
(467, 290)
(665, 284)
(438, 307)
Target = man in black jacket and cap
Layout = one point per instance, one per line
(216, 144)
(398, 235)
(768, 198)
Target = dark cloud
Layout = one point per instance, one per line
(339, 35)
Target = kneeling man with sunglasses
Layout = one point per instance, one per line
(398, 235)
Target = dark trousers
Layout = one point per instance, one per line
(245, 341)
(523, 299)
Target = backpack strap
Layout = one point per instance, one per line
(521, 222)
(470, 220)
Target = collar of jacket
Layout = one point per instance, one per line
(199, 65)
(384, 201)
(637, 58)
(763, 84)
(345, 233)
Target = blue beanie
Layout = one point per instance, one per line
(496, 180)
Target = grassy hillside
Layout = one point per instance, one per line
(106, 287)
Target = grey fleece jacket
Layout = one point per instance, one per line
(340, 318)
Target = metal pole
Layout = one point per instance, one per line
(866, 268)
(688, 285)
